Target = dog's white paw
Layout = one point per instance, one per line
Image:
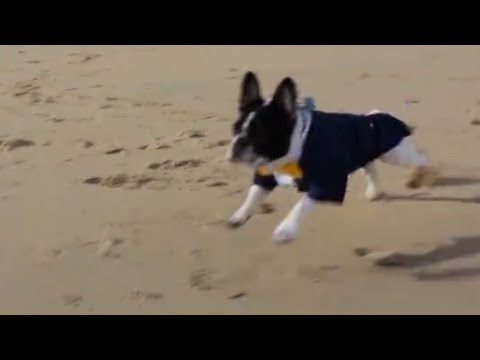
(285, 233)
(238, 219)
(372, 193)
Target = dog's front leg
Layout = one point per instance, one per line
(256, 196)
(288, 229)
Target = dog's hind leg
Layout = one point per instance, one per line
(407, 155)
(372, 192)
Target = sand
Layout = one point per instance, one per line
(114, 192)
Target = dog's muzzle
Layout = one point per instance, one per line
(237, 150)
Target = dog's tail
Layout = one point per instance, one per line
(411, 128)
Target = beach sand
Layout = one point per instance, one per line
(114, 190)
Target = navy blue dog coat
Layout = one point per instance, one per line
(336, 145)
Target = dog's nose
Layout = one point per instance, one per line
(236, 150)
(231, 158)
(233, 151)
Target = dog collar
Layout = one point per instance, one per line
(291, 168)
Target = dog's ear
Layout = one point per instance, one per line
(285, 96)
(250, 92)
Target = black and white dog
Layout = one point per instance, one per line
(325, 148)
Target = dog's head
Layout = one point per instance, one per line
(263, 130)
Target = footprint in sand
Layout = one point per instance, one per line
(142, 296)
(162, 146)
(201, 180)
(208, 117)
(51, 100)
(84, 58)
(169, 164)
(220, 143)
(191, 163)
(13, 144)
(154, 146)
(178, 112)
(315, 274)
(106, 248)
(154, 166)
(191, 134)
(202, 280)
(146, 103)
(56, 119)
(362, 251)
(364, 76)
(238, 295)
(31, 90)
(24, 89)
(95, 180)
(217, 184)
(34, 97)
(87, 144)
(114, 151)
(188, 135)
(72, 300)
(90, 57)
(120, 180)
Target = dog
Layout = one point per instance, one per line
(273, 136)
